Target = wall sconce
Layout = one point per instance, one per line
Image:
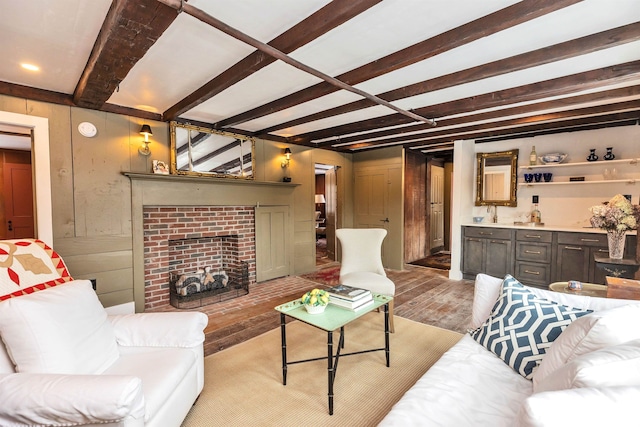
(146, 131)
(287, 155)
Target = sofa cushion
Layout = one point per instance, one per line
(29, 265)
(60, 330)
(161, 370)
(590, 333)
(467, 386)
(618, 365)
(522, 326)
(608, 406)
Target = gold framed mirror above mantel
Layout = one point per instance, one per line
(200, 151)
(497, 178)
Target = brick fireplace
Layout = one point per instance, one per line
(184, 239)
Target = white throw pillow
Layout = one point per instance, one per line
(60, 330)
(485, 293)
(613, 366)
(590, 333)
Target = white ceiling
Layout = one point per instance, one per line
(58, 37)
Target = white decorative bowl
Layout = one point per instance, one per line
(315, 309)
(552, 158)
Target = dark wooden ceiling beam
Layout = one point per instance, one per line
(617, 74)
(583, 123)
(325, 19)
(569, 49)
(130, 28)
(506, 123)
(42, 95)
(505, 18)
(608, 96)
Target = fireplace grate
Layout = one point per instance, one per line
(236, 286)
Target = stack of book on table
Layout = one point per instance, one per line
(349, 297)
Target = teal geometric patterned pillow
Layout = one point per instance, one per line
(522, 326)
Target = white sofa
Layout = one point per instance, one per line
(589, 376)
(65, 362)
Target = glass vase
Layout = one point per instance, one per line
(616, 241)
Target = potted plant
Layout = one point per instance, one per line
(315, 301)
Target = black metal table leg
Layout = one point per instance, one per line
(386, 332)
(330, 371)
(283, 337)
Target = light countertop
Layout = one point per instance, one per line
(546, 227)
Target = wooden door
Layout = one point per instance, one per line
(415, 211)
(18, 200)
(436, 214)
(371, 206)
(331, 211)
(272, 248)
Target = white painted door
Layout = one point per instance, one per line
(272, 249)
(436, 214)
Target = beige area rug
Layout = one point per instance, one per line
(243, 384)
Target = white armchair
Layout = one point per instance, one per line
(361, 263)
(64, 361)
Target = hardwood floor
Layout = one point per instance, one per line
(424, 295)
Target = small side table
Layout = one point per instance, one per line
(588, 289)
(625, 268)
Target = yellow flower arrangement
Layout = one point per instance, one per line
(315, 298)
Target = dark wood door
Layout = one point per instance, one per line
(18, 201)
(415, 211)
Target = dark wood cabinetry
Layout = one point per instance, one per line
(487, 250)
(533, 257)
(536, 257)
(576, 252)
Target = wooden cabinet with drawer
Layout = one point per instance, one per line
(576, 252)
(487, 250)
(533, 257)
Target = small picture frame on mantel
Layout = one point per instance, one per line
(160, 167)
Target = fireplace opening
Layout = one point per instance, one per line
(193, 290)
(206, 270)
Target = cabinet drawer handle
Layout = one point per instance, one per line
(573, 248)
(499, 241)
(533, 252)
(482, 233)
(589, 240)
(606, 251)
(532, 236)
(537, 273)
(473, 240)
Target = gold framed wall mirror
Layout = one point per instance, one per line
(201, 151)
(497, 178)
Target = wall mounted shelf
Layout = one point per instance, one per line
(596, 163)
(607, 181)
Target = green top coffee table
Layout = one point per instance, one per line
(330, 320)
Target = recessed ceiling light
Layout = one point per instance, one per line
(30, 67)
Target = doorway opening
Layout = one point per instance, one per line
(325, 204)
(428, 189)
(16, 183)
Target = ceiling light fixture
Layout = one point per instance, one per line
(30, 67)
(146, 131)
